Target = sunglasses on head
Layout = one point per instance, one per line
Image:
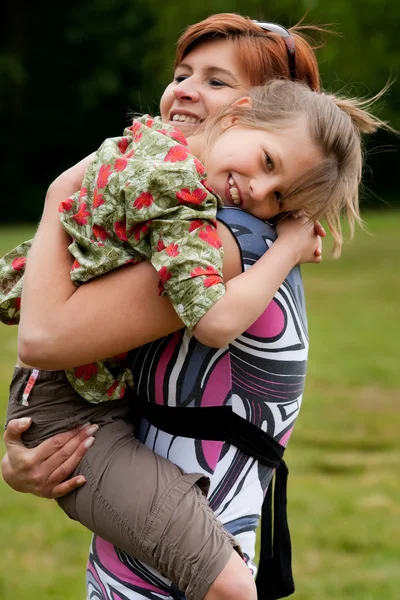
(289, 43)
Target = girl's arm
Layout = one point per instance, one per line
(248, 295)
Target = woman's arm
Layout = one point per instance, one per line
(63, 326)
(42, 470)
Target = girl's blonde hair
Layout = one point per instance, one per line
(336, 126)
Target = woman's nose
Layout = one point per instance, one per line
(186, 91)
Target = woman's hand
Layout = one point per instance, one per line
(304, 236)
(42, 470)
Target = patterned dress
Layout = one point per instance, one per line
(260, 377)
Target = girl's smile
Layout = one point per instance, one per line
(254, 169)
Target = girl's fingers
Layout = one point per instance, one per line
(297, 214)
(319, 230)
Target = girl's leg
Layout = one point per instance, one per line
(145, 505)
(134, 498)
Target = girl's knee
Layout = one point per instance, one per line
(235, 582)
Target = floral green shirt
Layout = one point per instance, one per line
(144, 197)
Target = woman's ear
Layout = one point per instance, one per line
(228, 121)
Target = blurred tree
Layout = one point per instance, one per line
(71, 72)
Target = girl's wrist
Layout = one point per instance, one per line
(289, 247)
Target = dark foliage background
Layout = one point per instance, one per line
(71, 71)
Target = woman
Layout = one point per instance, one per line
(176, 371)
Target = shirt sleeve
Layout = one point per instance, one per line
(12, 267)
(95, 217)
(185, 248)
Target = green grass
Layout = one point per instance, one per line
(344, 456)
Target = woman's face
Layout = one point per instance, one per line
(208, 78)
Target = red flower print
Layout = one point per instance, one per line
(195, 224)
(204, 184)
(75, 265)
(144, 200)
(120, 164)
(104, 174)
(112, 388)
(65, 205)
(209, 235)
(131, 261)
(176, 154)
(175, 135)
(99, 232)
(123, 145)
(139, 229)
(120, 230)
(86, 372)
(80, 217)
(212, 275)
(130, 154)
(18, 264)
(97, 199)
(200, 168)
(149, 122)
(160, 246)
(17, 303)
(136, 130)
(164, 274)
(178, 136)
(172, 250)
(82, 193)
(185, 196)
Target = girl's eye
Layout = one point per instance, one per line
(278, 197)
(180, 78)
(269, 161)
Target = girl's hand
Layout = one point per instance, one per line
(42, 470)
(303, 236)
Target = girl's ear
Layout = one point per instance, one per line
(245, 102)
(228, 121)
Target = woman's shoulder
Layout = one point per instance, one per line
(252, 235)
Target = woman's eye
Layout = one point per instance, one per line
(217, 83)
(278, 197)
(180, 78)
(269, 161)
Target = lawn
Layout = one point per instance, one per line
(344, 456)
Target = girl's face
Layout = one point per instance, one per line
(253, 168)
(208, 78)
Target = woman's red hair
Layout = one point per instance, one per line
(261, 54)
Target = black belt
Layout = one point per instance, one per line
(274, 578)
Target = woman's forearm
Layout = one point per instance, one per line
(64, 326)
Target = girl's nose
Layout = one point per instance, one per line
(261, 190)
(186, 91)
